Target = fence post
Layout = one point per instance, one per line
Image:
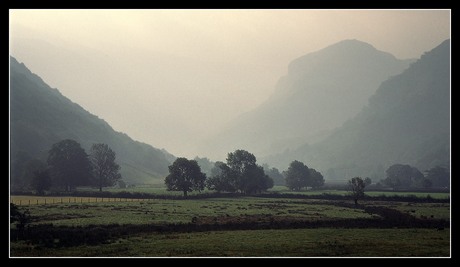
(61, 200)
(29, 201)
(45, 201)
(20, 202)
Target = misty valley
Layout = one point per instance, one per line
(349, 157)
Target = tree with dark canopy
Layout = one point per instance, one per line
(105, 169)
(41, 181)
(403, 176)
(220, 179)
(297, 176)
(439, 176)
(69, 164)
(356, 186)
(185, 175)
(24, 179)
(316, 179)
(245, 174)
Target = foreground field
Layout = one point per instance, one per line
(324, 242)
(239, 226)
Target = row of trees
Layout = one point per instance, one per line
(405, 176)
(69, 166)
(240, 173)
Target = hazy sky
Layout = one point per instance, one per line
(171, 77)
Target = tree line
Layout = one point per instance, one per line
(240, 173)
(403, 176)
(68, 166)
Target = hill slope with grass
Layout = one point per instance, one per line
(41, 116)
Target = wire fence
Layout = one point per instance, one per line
(67, 200)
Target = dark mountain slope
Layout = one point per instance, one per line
(41, 116)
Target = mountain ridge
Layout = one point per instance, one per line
(41, 115)
(406, 121)
(321, 90)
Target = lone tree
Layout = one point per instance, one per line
(69, 164)
(41, 181)
(185, 175)
(356, 186)
(105, 169)
(297, 175)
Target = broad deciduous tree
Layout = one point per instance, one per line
(69, 164)
(316, 179)
(41, 181)
(240, 173)
(297, 175)
(245, 174)
(105, 169)
(439, 176)
(221, 178)
(185, 175)
(403, 176)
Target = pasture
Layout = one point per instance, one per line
(250, 226)
(159, 211)
(322, 242)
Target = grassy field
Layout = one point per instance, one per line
(161, 190)
(343, 240)
(284, 190)
(183, 211)
(324, 242)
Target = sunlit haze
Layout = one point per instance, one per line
(170, 78)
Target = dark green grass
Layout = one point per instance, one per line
(323, 242)
(285, 190)
(183, 211)
(419, 210)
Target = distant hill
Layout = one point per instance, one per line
(406, 121)
(320, 92)
(41, 116)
